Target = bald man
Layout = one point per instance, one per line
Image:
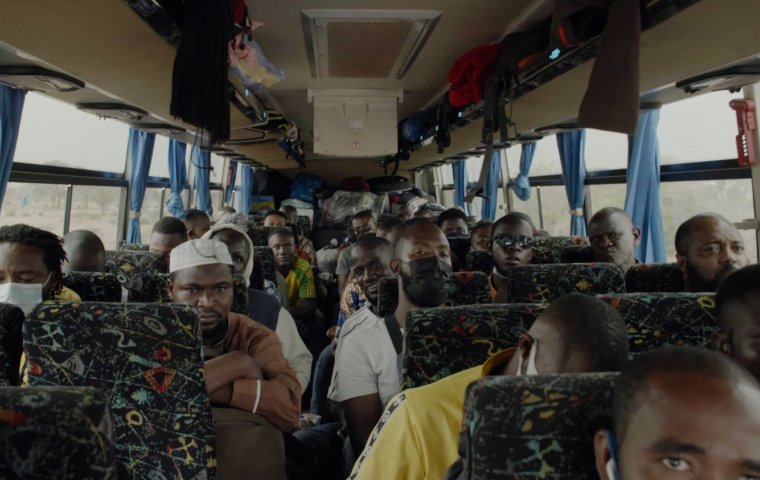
(614, 237)
(366, 372)
(84, 251)
(708, 249)
(680, 413)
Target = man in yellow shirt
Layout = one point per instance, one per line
(30, 267)
(417, 435)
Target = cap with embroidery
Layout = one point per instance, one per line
(194, 253)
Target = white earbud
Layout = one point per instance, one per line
(611, 469)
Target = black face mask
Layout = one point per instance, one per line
(429, 283)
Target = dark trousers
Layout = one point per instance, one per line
(313, 335)
(318, 453)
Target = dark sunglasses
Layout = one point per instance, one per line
(506, 241)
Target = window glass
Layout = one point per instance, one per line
(603, 196)
(447, 174)
(159, 164)
(57, 134)
(39, 205)
(605, 150)
(698, 129)
(217, 170)
(96, 209)
(448, 198)
(555, 210)
(730, 198)
(545, 160)
(151, 211)
(529, 207)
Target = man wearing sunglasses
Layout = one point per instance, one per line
(511, 245)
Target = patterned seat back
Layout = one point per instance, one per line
(11, 320)
(135, 247)
(259, 235)
(55, 432)
(459, 249)
(467, 288)
(130, 262)
(654, 277)
(535, 426)
(655, 320)
(263, 267)
(442, 341)
(549, 249)
(546, 283)
(479, 261)
(148, 360)
(153, 287)
(577, 254)
(303, 226)
(94, 286)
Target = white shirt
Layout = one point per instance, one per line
(365, 360)
(293, 348)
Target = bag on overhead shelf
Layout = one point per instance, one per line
(344, 204)
(305, 185)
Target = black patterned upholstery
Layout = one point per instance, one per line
(439, 342)
(654, 277)
(479, 261)
(11, 320)
(546, 283)
(131, 262)
(263, 267)
(659, 319)
(303, 226)
(467, 288)
(153, 287)
(147, 359)
(532, 427)
(577, 254)
(94, 286)
(135, 247)
(259, 235)
(549, 249)
(55, 432)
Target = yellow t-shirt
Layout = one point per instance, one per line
(300, 282)
(68, 295)
(417, 435)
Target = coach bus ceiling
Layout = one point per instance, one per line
(104, 43)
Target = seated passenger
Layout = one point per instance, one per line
(738, 312)
(708, 249)
(511, 245)
(264, 308)
(196, 222)
(453, 222)
(613, 237)
(366, 373)
(291, 213)
(362, 224)
(221, 213)
(405, 212)
(167, 233)
(248, 380)
(576, 333)
(275, 218)
(682, 412)
(30, 267)
(390, 228)
(84, 251)
(480, 236)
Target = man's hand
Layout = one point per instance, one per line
(221, 371)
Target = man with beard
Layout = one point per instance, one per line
(366, 373)
(511, 245)
(613, 237)
(248, 380)
(708, 249)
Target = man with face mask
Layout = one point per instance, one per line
(366, 372)
(708, 249)
(511, 245)
(418, 437)
(30, 267)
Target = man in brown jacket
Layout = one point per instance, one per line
(251, 386)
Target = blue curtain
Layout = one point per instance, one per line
(139, 155)
(231, 184)
(202, 162)
(243, 199)
(11, 106)
(521, 185)
(177, 177)
(571, 147)
(642, 196)
(459, 170)
(491, 187)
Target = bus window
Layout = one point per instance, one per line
(555, 210)
(529, 207)
(605, 151)
(96, 209)
(607, 195)
(40, 205)
(150, 213)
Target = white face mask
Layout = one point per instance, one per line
(23, 295)
(531, 367)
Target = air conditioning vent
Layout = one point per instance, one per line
(39, 79)
(365, 43)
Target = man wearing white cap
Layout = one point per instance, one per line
(247, 377)
(264, 308)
